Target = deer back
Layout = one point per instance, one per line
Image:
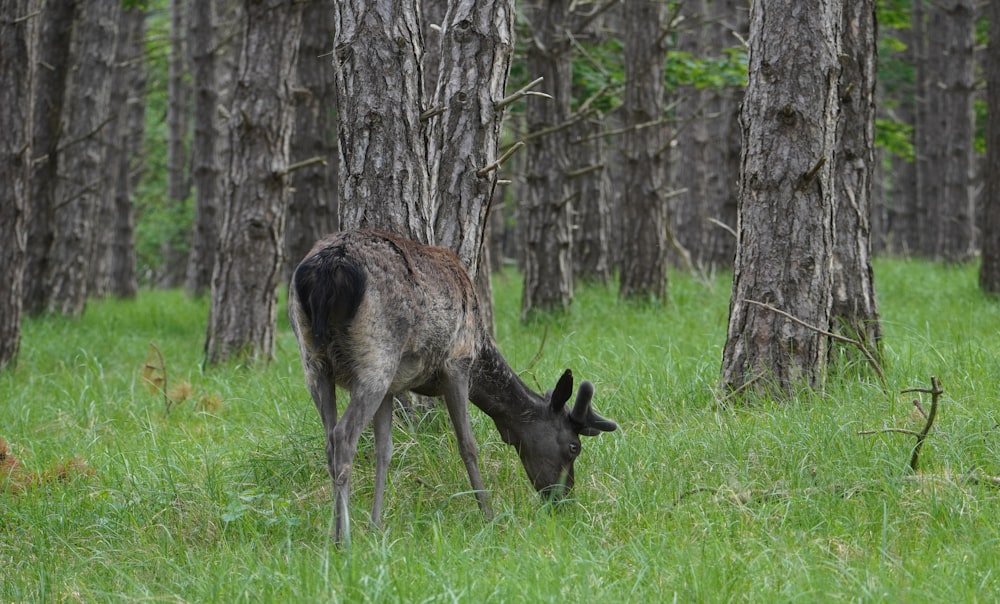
(369, 304)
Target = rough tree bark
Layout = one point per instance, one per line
(544, 216)
(256, 190)
(786, 205)
(178, 122)
(18, 35)
(644, 217)
(313, 209)
(476, 49)
(477, 45)
(989, 270)
(50, 92)
(855, 309)
(81, 180)
(383, 179)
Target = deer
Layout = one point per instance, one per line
(379, 314)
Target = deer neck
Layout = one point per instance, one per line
(498, 391)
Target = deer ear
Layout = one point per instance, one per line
(591, 424)
(562, 391)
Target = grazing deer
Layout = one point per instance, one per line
(379, 314)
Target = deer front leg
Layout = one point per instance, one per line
(383, 455)
(456, 397)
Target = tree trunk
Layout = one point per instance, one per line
(56, 27)
(383, 179)
(855, 310)
(18, 36)
(178, 120)
(590, 179)
(256, 191)
(129, 162)
(81, 182)
(946, 143)
(644, 235)
(215, 41)
(313, 210)
(113, 243)
(989, 270)
(476, 49)
(786, 205)
(546, 211)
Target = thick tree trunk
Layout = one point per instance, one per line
(476, 49)
(855, 310)
(383, 179)
(82, 181)
(256, 191)
(50, 92)
(18, 36)
(545, 214)
(786, 214)
(989, 271)
(477, 44)
(644, 227)
(313, 210)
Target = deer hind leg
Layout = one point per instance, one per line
(383, 454)
(456, 397)
(365, 402)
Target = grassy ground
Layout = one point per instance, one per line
(225, 497)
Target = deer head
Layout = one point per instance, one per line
(549, 442)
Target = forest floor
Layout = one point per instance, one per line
(127, 472)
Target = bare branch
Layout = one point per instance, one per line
(299, 165)
(857, 344)
(502, 159)
(520, 94)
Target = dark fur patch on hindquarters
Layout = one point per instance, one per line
(330, 287)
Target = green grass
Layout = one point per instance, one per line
(225, 498)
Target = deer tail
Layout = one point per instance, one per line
(330, 287)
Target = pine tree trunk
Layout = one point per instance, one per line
(946, 143)
(256, 189)
(56, 26)
(989, 270)
(855, 310)
(786, 211)
(112, 213)
(215, 40)
(476, 49)
(174, 261)
(81, 182)
(18, 35)
(644, 235)
(314, 208)
(129, 163)
(544, 216)
(383, 175)
(592, 216)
